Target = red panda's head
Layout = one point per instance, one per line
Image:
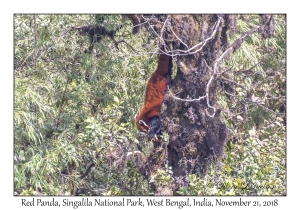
(141, 125)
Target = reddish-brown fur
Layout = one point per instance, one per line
(155, 92)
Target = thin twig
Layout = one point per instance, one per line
(207, 97)
(21, 66)
(178, 38)
(236, 84)
(163, 28)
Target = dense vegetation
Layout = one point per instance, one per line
(74, 107)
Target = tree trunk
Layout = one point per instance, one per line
(196, 132)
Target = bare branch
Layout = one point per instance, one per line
(207, 97)
(202, 44)
(118, 42)
(178, 38)
(189, 50)
(234, 46)
(132, 153)
(209, 38)
(163, 28)
(161, 39)
(188, 100)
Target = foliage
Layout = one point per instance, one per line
(249, 169)
(71, 108)
(254, 112)
(73, 111)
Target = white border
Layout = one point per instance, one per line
(153, 6)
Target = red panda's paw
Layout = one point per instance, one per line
(155, 127)
(155, 138)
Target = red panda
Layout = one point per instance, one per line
(148, 121)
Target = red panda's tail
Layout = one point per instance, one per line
(164, 66)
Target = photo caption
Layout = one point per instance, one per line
(180, 203)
